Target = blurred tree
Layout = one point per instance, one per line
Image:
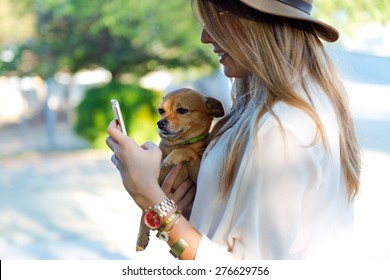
(120, 35)
(15, 26)
(349, 15)
(129, 36)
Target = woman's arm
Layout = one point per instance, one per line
(139, 167)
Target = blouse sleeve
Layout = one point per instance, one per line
(209, 250)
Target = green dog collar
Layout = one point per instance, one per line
(194, 140)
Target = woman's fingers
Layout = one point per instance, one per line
(181, 190)
(149, 146)
(169, 180)
(116, 162)
(111, 143)
(187, 198)
(184, 197)
(117, 137)
(184, 193)
(113, 131)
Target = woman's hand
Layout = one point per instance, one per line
(139, 167)
(183, 195)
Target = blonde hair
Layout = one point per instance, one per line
(276, 51)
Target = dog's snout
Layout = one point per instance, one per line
(162, 124)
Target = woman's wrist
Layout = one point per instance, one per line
(184, 238)
(151, 197)
(171, 226)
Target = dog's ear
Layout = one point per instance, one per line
(215, 107)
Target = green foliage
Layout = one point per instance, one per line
(119, 35)
(137, 37)
(349, 15)
(139, 109)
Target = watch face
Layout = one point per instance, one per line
(152, 219)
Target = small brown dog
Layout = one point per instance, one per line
(186, 117)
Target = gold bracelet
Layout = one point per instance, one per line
(179, 248)
(163, 233)
(174, 222)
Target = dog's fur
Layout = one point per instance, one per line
(185, 115)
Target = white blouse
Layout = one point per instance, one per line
(289, 199)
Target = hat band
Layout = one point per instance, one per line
(298, 4)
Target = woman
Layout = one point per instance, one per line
(280, 174)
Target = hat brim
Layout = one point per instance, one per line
(273, 7)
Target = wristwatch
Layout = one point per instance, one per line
(154, 215)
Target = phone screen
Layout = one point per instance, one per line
(118, 115)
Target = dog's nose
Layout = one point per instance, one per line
(162, 123)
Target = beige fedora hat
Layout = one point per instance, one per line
(296, 9)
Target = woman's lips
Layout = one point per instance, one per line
(221, 55)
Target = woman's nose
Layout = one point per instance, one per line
(205, 37)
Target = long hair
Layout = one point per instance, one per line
(276, 51)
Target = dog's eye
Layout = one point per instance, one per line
(181, 111)
(161, 111)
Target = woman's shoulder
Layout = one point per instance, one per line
(292, 119)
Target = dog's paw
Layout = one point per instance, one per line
(174, 158)
(140, 248)
(171, 161)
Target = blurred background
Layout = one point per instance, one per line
(61, 61)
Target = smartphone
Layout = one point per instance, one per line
(118, 115)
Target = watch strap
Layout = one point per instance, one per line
(164, 207)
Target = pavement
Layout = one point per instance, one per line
(66, 203)
(69, 203)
